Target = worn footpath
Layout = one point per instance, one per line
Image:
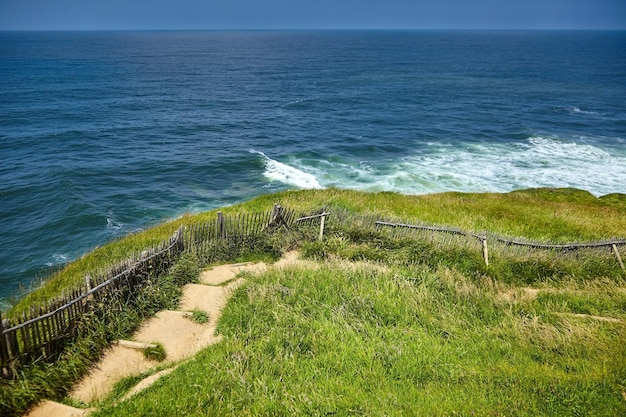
(180, 337)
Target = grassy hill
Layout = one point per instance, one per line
(373, 339)
(389, 324)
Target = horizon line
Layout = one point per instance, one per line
(260, 29)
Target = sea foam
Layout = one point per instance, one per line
(59, 259)
(575, 110)
(112, 224)
(538, 161)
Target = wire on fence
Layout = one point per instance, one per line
(508, 242)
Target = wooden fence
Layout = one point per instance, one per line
(47, 328)
(244, 224)
(44, 331)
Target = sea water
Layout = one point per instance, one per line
(107, 133)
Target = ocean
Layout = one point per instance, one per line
(107, 133)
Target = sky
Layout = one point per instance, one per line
(310, 14)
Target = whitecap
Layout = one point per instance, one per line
(295, 102)
(577, 110)
(113, 225)
(61, 258)
(277, 171)
(538, 161)
(557, 149)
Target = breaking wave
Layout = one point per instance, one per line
(277, 171)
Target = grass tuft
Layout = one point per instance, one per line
(199, 316)
(155, 353)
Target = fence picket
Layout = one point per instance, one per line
(4, 349)
(44, 331)
(37, 334)
(9, 339)
(618, 257)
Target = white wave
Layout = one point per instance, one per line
(538, 162)
(112, 224)
(575, 110)
(552, 148)
(277, 171)
(291, 103)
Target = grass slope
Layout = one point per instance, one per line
(420, 328)
(372, 339)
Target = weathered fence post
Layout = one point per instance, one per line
(483, 240)
(4, 349)
(10, 340)
(278, 217)
(8, 349)
(179, 239)
(619, 258)
(322, 221)
(88, 282)
(220, 225)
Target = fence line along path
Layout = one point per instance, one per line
(44, 332)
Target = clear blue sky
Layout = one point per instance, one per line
(311, 14)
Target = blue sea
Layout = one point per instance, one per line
(107, 133)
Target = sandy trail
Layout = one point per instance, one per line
(181, 338)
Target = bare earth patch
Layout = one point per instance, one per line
(52, 409)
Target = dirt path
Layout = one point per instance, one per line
(180, 337)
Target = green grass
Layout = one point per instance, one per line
(522, 267)
(399, 340)
(425, 329)
(107, 321)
